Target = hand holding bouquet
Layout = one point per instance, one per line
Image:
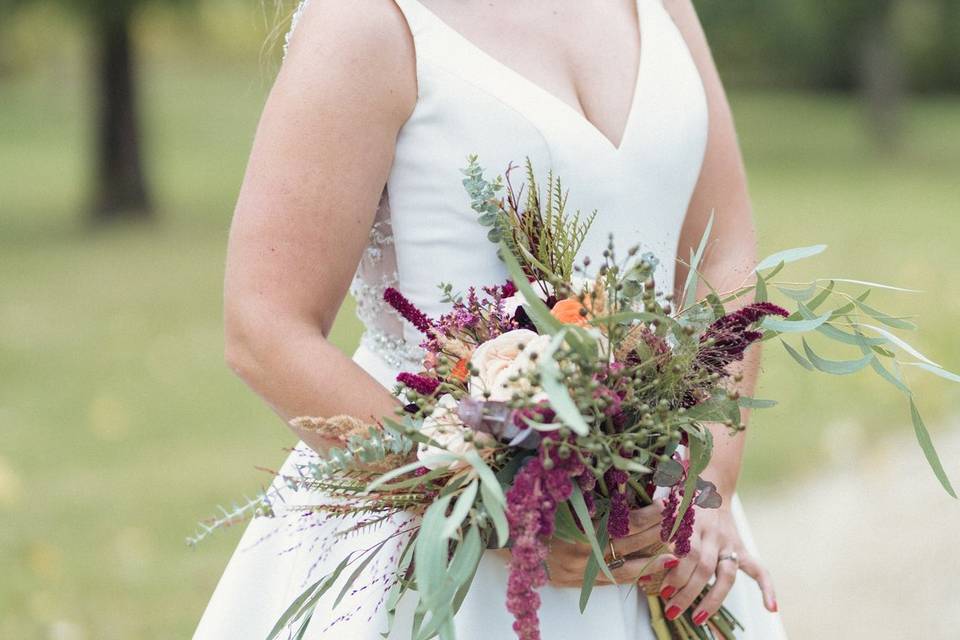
(551, 405)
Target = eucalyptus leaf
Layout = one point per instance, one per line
(800, 295)
(536, 309)
(487, 478)
(628, 464)
(836, 367)
(822, 296)
(495, 510)
(430, 554)
(356, 572)
(565, 526)
(889, 377)
(593, 566)
(690, 286)
(307, 600)
(803, 362)
(935, 370)
(461, 509)
(890, 321)
(552, 384)
(474, 548)
(761, 293)
(583, 514)
(923, 437)
(756, 403)
(903, 344)
(667, 473)
(872, 285)
(790, 255)
(772, 323)
(436, 459)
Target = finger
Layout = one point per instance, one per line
(647, 541)
(700, 572)
(646, 517)
(752, 567)
(638, 570)
(679, 570)
(726, 575)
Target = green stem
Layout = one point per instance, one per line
(657, 622)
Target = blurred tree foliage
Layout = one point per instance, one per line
(880, 48)
(120, 187)
(817, 44)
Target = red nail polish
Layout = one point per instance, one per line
(672, 563)
(701, 617)
(645, 578)
(673, 612)
(667, 591)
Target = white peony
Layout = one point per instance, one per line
(444, 427)
(497, 361)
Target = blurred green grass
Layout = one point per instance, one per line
(123, 427)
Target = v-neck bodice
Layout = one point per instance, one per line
(470, 103)
(517, 80)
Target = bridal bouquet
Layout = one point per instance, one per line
(550, 405)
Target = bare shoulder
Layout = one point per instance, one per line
(360, 53)
(684, 15)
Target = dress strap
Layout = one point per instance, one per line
(419, 18)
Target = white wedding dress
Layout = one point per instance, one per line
(425, 232)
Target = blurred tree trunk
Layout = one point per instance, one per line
(950, 53)
(120, 188)
(881, 74)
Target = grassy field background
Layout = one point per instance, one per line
(122, 426)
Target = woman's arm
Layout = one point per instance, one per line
(322, 153)
(728, 263)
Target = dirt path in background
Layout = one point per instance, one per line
(870, 549)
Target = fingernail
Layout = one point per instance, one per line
(668, 591)
(672, 563)
(700, 618)
(644, 578)
(673, 612)
(775, 608)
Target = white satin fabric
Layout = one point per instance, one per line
(469, 103)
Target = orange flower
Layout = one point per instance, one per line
(460, 371)
(568, 312)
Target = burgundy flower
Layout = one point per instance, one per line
(730, 335)
(421, 384)
(531, 508)
(618, 524)
(408, 310)
(681, 538)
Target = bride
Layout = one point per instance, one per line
(356, 162)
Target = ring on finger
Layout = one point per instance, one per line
(731, 556)
(615, 561)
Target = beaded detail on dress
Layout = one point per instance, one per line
(294, 19)
(383, 326)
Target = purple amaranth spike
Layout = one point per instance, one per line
(669, 516)
(421, 384)
(681, 539)
(685, 532)
(408, 310)
(531, 507)
(618, 525)
(730, 335)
